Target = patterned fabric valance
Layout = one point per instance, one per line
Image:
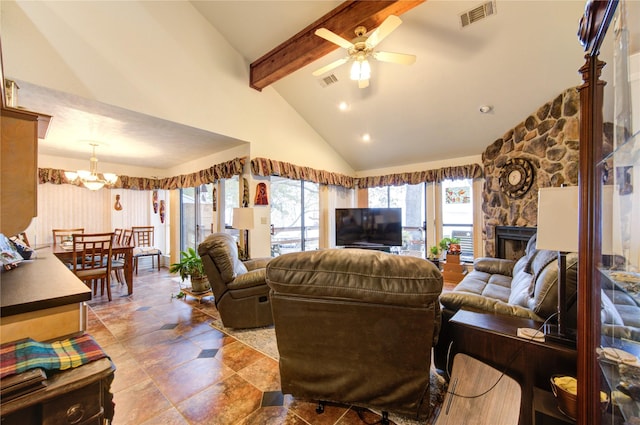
(268, 167)
(223, 170)
(469, 171)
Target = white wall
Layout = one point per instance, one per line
(64, 206)
(161, 59)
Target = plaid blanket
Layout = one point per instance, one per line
(19, 356)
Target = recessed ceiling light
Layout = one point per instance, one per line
(366, 137)
(485, 109)
(343, 106)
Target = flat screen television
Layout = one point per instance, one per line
(368, 227)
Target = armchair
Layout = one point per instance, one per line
(239, 287)
(356, 326)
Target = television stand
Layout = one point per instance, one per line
(384, 248)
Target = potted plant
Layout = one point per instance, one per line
(450, 245)
(434, 255)
(190, 265)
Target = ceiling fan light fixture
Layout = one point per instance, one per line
(360, 70)
(355, 71)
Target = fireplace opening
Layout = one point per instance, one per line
(511, 241)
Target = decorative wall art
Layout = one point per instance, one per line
(155, 202)
(458, 195)
(117, 206)
(261, 195)
(162, 211)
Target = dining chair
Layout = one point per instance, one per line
(92, 258)
(117, 264)
(117, 235)
(62, 235)
(143, 241)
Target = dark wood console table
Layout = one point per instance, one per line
(492, 339)
(76, 396)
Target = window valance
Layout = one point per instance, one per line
(468, 171)
(223, 170)
(269, 167)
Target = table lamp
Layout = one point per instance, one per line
(243, 220)
(558, 231)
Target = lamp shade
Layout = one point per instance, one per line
(242, 218)
(558, 219)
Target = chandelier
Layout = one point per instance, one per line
(91, 179)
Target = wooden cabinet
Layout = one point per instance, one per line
(77, 396)
(492, 339)
(19, 170)
(453, 270)
(609, 243)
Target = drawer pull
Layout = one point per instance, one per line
(75, 414)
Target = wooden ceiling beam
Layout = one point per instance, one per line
(306, 47)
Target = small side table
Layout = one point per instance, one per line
(491, 338)
(198, 295)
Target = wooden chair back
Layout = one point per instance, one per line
(117, 235)
(143, 235)
(127, 236)
(92, 252)
(61, 235)
(92, 256)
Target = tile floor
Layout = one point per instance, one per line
(173, 367)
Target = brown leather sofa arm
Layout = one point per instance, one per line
(494, 265)
(466, 301)
(248, 280)
(257, 263)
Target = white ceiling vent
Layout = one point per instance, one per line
(328, 80)
(478, 13)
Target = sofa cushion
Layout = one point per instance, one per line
(520, 288)
(494, 265)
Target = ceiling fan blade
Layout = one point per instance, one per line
(334, 38)
(391, 23)
(401, 58)
(329, 67)
(363, 84)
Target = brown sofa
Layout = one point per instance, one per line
(356, 327)
(240, 289)
(526, 288)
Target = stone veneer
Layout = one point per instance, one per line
(549, 139)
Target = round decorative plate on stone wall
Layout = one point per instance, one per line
(516, 177)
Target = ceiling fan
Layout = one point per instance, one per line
(361, 48)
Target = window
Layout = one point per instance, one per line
(457, 213)
(295, 216)
(411, 198)
(196, 212)
(231, 191)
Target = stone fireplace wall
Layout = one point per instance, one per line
(549, 138)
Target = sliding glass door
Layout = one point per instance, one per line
(196, 212)
(295, 216)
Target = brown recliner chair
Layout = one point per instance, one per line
(356, 327)
(239, 287)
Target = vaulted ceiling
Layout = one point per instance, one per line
(514, 61)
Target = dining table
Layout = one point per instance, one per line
(65, 254)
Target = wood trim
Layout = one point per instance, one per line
(591, 128)
(306, 47)
(593, 28)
